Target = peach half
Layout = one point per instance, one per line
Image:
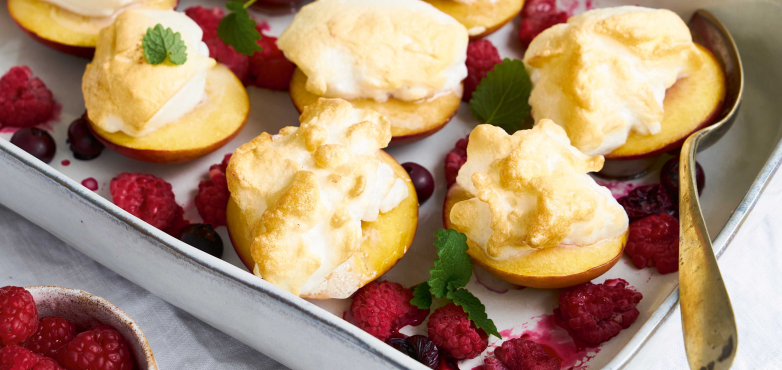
(64, 30)
(691, 104)
(386, 240)
(545, 268)
(480, 17)
(410, 121)
(207, 128)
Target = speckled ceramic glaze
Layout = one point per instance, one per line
(86, 310)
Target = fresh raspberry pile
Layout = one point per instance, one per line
(522, 354)
(536, 17)
(24, 100)
(598, 312)
(382, 308)
(654, 241)
(212, 198)
(648, 200)
(52, 333)
(18, 315)
(455, 159)
(450, 329)
(482, 56)
(101, 348)
(148, 198)
(267, 69)
(14, 357)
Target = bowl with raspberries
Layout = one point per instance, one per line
(55, 328)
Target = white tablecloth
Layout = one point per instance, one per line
(751, 265)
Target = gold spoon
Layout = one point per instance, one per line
(710, 335)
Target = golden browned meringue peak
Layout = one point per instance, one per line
(604, 73)
(124, 92)
(376, 49)
(305, 192)
(531, 190)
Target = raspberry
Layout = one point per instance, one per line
(481, 58)
(451, 330)
(212, 198)
(522, 354)
(492, 363)
(24, 100)
(381, 308)
(208, 19)
(648, 200)
(14, 357)
(597, 312)
(101, 348)
(455, 159)
(146, 197)
(52, 333)
(177, 223)
(269, 69)
(654, 241)
(537, 16)
(18, 315)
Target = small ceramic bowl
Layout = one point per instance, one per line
(86, 310)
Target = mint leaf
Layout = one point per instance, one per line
(422, 298)
(454, 268)
(502, 97)
(238, 29)
(476, 311)
(162, 43)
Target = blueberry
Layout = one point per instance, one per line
(83, 144)
(669, 176)
(202, 237)
(35, 141)
(422, 180)
(418, 347)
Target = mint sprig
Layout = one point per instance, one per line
(450, 274)
(502, 97)
(237, 29)
(162, 43)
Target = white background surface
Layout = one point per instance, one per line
(751, 267)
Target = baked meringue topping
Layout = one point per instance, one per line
(604, 73)
(531, 190)
(305, 192)
(93, 8)
(377, 49)
(123, 92)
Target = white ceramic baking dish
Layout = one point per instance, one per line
(306, 335)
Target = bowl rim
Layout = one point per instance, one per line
(138, 335)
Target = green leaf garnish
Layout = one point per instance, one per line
(162, 43)
(422, 298)
(238, 29)
(476, 311)
(454, 268)
(450, 274)
(502, 97)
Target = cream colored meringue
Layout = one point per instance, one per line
(305, 192)
(123, 92)
(377, 49)
(604, 73)
(93, 8)
(531, 190)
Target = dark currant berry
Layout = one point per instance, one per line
(425, 350)
(648, 200)
(401, 345)
(202, 237)
(422, 180)
(83, 144)
(35, 141)
(669, 177)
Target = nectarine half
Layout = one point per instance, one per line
(410, 121)
(385, 240)
(480, 17)
(64, 30)
(546, 268)
(208, 127)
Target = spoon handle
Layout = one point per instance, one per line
(710, 336)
